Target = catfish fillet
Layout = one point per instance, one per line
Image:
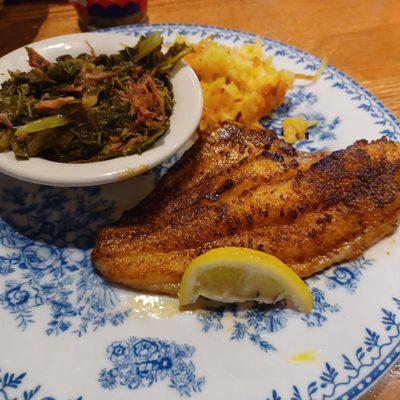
(240, 187)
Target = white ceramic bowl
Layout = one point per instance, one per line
(184, 119)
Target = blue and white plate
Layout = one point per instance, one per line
(66, 334)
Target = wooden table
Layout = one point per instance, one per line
(360, 37)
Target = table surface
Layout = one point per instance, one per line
(360, 37)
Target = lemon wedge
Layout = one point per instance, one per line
(236, 274)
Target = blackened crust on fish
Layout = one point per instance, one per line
(309, 209)
(353, 177)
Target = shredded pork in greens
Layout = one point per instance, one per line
(89, 108)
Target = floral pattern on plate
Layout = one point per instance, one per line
(141, 362)
(47, 235)
(11, 384)
(48, 286)
(366, 355)
(260, 321)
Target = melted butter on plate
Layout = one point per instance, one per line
(160, 307)
(306, 356)
(157, 307)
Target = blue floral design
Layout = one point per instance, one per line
(318, 135)
(318, 316)
(256, 323)
(142, 362)
(261, 320)
(159, 171)
(294, 99)
(333, 380)
(366, 102)
(347, 275)
(212, 318)
(49, 232)
(10, 385)
(8, 263)
(118, 351)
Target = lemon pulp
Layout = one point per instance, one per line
(236, 274)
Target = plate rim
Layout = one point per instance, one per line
(396, 348)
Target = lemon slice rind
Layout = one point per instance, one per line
(236, 274)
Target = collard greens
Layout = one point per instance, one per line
(91, 107)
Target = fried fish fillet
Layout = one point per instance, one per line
(240, 187)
